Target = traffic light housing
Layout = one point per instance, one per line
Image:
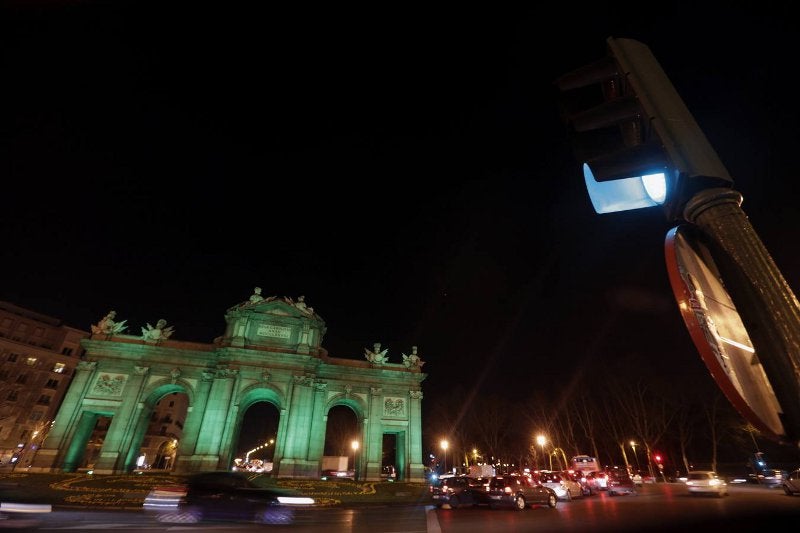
(637, 143)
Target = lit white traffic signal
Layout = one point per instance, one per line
(637, 143)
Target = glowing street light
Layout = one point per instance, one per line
(633, 446)
(541, 440)
(354, 446)
(444, 445)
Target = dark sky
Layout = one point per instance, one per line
(404, 168)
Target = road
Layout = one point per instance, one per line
(661, 507)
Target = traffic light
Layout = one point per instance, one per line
(637, 143)
(657, 457)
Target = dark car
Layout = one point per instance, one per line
(223, 496)
(459, 491)
(619, 482)
(519, 492)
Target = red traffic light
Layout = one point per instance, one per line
(657, 457)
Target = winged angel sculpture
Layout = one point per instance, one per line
(157, 334)
(108, 325)
(376, 356)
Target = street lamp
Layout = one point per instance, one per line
(633, 445)
(354, 445)
(444, 445)
(541, 440)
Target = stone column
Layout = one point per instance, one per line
(373, 447)
(317, 440)
(295, 462)
(57, 440)
(416, 468)
(187, 461)
(209, 441)
(114, 450)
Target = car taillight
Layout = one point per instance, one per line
(507, 490)
(444, 488)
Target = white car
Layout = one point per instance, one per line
(706, 482)
(565, 487)
(791, 483)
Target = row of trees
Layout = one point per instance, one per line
(689, 426)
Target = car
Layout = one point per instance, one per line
(637, 479)
(770, 477)
(337, 474)
(562, 483)
(586, 485)
(223, 495)
(452, 492)
(619, 482)
(597, 480)
(519, 492)
(706, 482)
(791, 483)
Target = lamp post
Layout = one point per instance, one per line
(633, 445)
(541, 440)
(444, 445)
(354, 446)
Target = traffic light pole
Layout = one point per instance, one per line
(765, 301)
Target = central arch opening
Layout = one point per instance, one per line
(259, 432)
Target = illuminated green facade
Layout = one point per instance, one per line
(271, 351)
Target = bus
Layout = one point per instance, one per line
(585, 464)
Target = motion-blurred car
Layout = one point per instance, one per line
(519, 492)
(768, 477)
(562, 483)
(337, 474)
(597, 480)
(452, 492)
(619, 482)
(223, 496)
(791, 483)
(706, 482)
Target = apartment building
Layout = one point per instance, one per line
(38, 355)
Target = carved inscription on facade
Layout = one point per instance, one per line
(274, 331)
(109, 384)
(394, 406)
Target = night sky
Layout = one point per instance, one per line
(404, 168)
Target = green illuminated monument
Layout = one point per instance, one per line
(272, 352)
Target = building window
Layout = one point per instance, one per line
(30, 361)
(163, 430)
(51, 384)
(39, 332)
(66, 351)
(12, 357)
(22, 378)
(4, 374)
(44, 399)
(12, 396)
(35, 416)
(172, 404)
(59, 368)
(23, 434)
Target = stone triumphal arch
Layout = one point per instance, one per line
(272, 352)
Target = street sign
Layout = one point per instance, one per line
(718, 332)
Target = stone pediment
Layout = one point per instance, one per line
(274, 322)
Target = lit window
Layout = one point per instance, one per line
(12, 357)
(59, 368)
(30, 361)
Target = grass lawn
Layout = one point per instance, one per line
(128, 491)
